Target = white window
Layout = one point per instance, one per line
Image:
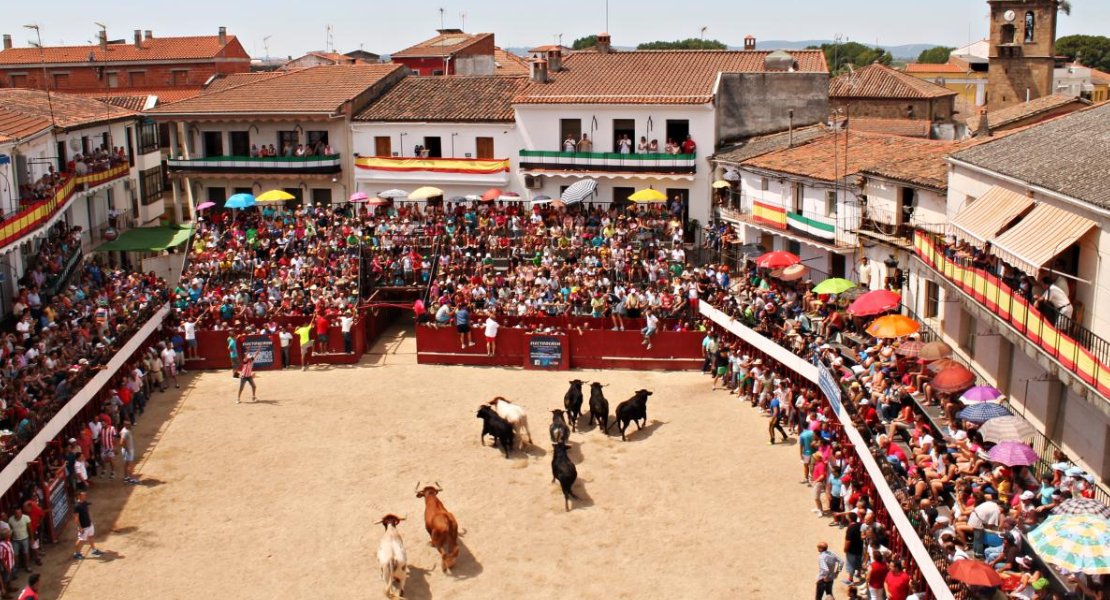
(830, 203)
(764, 184)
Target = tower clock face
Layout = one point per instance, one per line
(1009, 15)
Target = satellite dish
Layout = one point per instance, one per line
(74, 144)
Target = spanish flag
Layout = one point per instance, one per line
(775, 216)
(473, 166)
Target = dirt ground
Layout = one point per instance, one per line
(277, 499)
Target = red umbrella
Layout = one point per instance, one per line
(875, 302)
(777, 260)
(973, 572)
(956, 378)
(910, 348)
(492, 194)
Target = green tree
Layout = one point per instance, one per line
(935, 56)
(686, 44)
(1088, 50)
(584, 42)
(839, 56)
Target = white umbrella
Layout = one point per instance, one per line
(393, 194)
(579, 191)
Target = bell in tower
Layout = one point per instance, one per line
(1022, 51)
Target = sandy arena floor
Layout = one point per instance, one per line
(277, 500)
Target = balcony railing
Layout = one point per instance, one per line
(253, 164)
(607, 161)
(394, 167)
(1076, 348)
(822, 229)
(36, 214)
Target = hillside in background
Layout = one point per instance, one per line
(907, 52)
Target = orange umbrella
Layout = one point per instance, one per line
(939, 365)
(953, 379)
(973, 572)
(893, 326)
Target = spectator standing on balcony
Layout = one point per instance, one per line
(642, 147)
(569, 145)
(585, 145)
(828, 567)
(688, 146)
(1056, 297)
(863, 270)
(254, 151)
(624, 145)
(653, 147)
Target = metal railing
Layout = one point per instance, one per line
(1076, 348)
(608, 161)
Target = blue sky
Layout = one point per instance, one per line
(296, 26)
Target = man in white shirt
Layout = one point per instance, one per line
(190, 327)
(650, 329)
(169, 368)
(491, 327)
(345, 324)
(285, 337)
(986, 514)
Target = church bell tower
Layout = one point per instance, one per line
(1022, 51)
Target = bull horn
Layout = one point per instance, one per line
(417, 487)
(438, 488)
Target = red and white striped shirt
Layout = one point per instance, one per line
(247, 369)
(7, 555)
(108, 438)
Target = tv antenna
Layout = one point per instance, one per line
(462, 17)
(266, 46)
(330, 42)
(703, 30)
(441, 25)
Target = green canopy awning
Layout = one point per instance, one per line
(149, 239)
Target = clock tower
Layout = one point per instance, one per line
(1022, 51)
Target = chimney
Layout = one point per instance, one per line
(749, 42)
(984, 129)
(555, 60)
(139, 39)
(103, 35)
(538, 70)
(603, 43)
(7, 41)
(148, 34)
(223, 35)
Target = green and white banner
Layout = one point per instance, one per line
(811, 227)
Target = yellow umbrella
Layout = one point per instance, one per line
(648, 195)
(425, 192)
(275, 196)
(721, 183)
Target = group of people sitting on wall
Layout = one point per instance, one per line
(971, 506)
(289, 149)
(625, 145)
(59, 342)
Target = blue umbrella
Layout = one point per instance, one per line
(981, 413)
(240, 201)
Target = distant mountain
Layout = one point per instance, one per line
(904, 51)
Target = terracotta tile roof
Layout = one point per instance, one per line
(904, 127)
(444, 44)
(550, 47)
(450, 98)
(815, 159)
(1100, 76)
(322, 89)
(763, 144)
(928, 68)
(1027, 110)
(167, 48)
(136, 98)
(652, 76)
(881, 81)
(236, 79)
(509, 63)
(70, 110)
(16, 124)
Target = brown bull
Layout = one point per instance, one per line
(441, 525)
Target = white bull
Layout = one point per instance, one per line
(516, 417)
(391, 557)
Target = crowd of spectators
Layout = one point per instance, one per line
(59, 341)
(101, 159)
(970, 506)
(288, 149)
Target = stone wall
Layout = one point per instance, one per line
(750, 104)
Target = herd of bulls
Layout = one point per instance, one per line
(507, 423)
